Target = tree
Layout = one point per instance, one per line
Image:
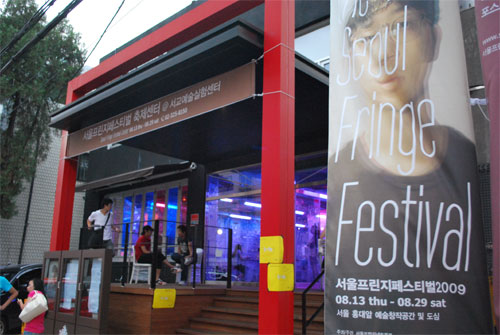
(29, 92)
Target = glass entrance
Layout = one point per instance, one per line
(234, 201)
(140, 207)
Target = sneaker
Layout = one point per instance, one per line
(176, 270)
(182, 282)
(160, 282)
(188, 260)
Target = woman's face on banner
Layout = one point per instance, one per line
(379, 60)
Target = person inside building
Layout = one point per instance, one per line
(238, 262)
(143, 253)
(104, 218)
(5, 286)
(184, 254)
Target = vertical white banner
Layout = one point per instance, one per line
(405, 250)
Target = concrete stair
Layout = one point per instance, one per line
(238, 313)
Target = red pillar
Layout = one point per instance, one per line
(65, 192)
(278, 155)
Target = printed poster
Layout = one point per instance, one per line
(405, 250)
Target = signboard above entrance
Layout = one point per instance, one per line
(206, 96)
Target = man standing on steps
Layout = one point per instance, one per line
(104, 218)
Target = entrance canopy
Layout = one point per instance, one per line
(227, 133)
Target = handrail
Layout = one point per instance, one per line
(156, 246)
(305, 322)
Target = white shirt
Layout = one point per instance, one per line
(99, 220)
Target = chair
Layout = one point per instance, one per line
(197, 258)
(138, 267)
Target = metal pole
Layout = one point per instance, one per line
(125, 256)
(229, 256)
(195, 258)
(155, 254)
(28, 207)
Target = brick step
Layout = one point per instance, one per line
(195, 331)
(237, 302)
(251, 315)
(316, 325)
(226, 313)
(254, 293)
(221, 325)
(311, 308)
(311, 295)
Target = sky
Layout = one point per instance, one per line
(91, 17)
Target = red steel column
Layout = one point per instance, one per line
(278, 155)
(65, 193)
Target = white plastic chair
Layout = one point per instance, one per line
(138, 267)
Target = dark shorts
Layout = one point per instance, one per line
(148, 258)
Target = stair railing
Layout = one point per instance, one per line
(305, 322)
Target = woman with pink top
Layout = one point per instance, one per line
(35, 326)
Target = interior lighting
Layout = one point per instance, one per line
(159, 204)
(226, 200)
(300, 225)
(299, 212)
(172, 206)
(219, 231)
(243, 217)
(252, 204)
(313, 194)
(321, 216)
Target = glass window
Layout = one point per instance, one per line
(184, 190)
(136, 219)
(160, 214)
(23, 282)
(67, 300)
(148, 208)
(89, 305)
(310, 221)
(172, 209)
(127, 217)
(242, 215)
(233, 201)
(50, 281)
(234, 181)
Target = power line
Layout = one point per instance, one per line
(104, 32)
(87, 57)
(41, 34)
(28, 25)
(95, 46)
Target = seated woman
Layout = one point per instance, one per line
(143, 253)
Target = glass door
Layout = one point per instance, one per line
(51, 275)
(310, 221)
(140, 207)
(66, 307)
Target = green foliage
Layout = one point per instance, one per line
(29, 92)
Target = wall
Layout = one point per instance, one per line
(40, 218)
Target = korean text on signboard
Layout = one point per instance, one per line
(200, 98)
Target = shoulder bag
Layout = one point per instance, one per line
(96, 236)
(34, 308)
